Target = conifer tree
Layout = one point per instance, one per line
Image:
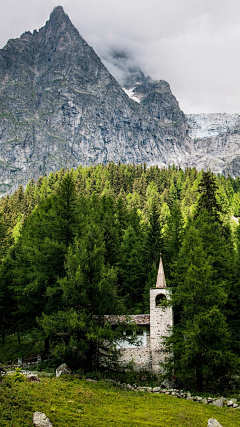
(203, 280)
(173, 238)
(40, 251)
(153, 241)
(131, 273)
(201, 338)
(88, 292)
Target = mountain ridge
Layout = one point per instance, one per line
(60, 107)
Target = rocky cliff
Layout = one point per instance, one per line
(215, 142)
(60, 107)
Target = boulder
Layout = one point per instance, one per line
(41, 420)
(31, 378)
(129, 387)
(141, 388)
(213, 423)
(218, 402)
(63, 370)
(148, 389)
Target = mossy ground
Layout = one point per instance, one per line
(71, 402)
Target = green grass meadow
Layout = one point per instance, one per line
(71, 402)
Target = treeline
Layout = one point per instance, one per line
(77, 245)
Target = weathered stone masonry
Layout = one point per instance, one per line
(151, 330)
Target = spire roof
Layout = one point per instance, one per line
(161, 283)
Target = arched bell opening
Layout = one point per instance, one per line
(160, 299)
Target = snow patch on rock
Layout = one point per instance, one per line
(130, 93)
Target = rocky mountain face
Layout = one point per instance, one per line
(60, 107)
(215, 142)
(202, 126)
(157, 98)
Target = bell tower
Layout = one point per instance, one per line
(161, 317)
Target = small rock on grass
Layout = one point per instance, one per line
(213, 423)
(32, 378)
(41, 420)
(63, 369)
(218, 402)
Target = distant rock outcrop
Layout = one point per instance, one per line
(216, 142)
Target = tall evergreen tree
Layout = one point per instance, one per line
(201, 339)
(207, 196)
(131, 270)
(40, 251)
(88, 292)
(204, 279)
(173, 238)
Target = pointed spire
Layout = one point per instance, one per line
(161, 283)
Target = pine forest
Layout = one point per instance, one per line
(79, 244)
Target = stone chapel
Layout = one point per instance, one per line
(148, 351)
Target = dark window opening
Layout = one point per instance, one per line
(160, 299)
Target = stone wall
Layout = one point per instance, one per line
(161, 319)
(150, 356)
(140, 357)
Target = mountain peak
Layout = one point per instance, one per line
(58, 15)
(60, 107)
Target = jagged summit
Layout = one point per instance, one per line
(59, 14)
(60, 20)
(60, 107)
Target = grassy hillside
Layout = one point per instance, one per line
(74, 402)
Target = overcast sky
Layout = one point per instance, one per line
(193, 44)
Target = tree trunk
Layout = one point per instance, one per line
(199, 378)
(47, 345)
(3, 336)
(3, 330)
(19, 339)
(90, 354)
